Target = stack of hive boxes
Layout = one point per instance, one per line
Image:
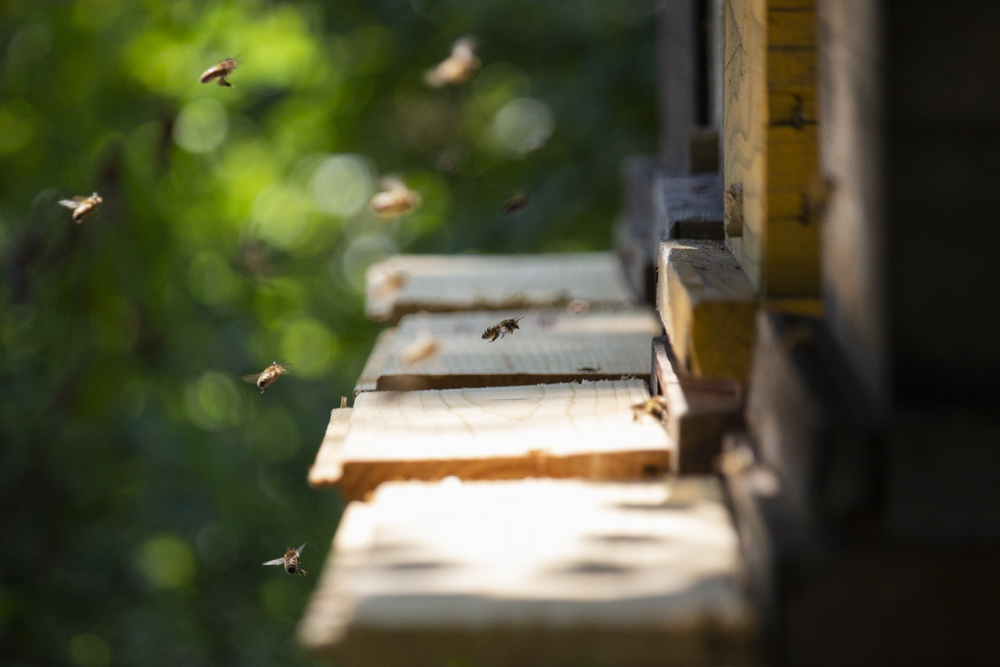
(508, 502)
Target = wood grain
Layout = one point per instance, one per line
(688, 207)
(534, 572)
(550, 346)
(558, 430)
(771, 141)
(405, 284)
(707, 306)
(699, 411)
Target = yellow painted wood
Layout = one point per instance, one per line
(811, 307)
(770, 141)
(707, 306)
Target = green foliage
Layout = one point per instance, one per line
(143, 482)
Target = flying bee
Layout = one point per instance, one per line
(655, 407)
(515, 204)
(457, 68)
(395, 199)
(290, 561)
(268, 377)
(83, 207)
(501, 329)
(220, 71)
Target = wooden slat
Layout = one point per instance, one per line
(707, 306)
(446, 283)
(770, 142)
(326, 470)
(699, 412)
(680, 90)
(534, 572)
(688, 207)
(446, 350)
(558, 430)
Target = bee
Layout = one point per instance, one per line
(83, 207)
(457, 68)
(385, 282)
(578, 307)
(290, 561)
(268, 377)
(220, 71)
(500, 330)
(516, 203)
(395, 199)
(588, 369)
(655, 406)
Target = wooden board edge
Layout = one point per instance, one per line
(360, 478)
(376, 360)
(420, 382)
(327, 469)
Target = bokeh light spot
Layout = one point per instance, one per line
(166, 562)
(362, 252)
(201, 126)
(274, 435)
(341, 185)
(280, 217)
(281, 598)
(89, 650)
(213, 402)
(309, 347)
(523, 125)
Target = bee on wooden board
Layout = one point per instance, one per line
(268, 377)
(515, 204)
(655, 406)
(395, 199)
(290, 561)
(420, 350)
(501, 329)
(457, 68)
(83, 207)
(220, 71)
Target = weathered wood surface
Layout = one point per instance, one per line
(688, 207)
(699, 412)
(534, 572)
(851, 154)
(681, 90)
(446, 350)
(582, 430)
(707, 306)
(635, 238)
(770, 141)
(405, 284)
(325, 470)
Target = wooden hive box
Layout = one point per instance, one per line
(585, 430)
(534, 572)
(440, 351)
(446, 283)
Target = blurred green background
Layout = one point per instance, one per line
(142, 482)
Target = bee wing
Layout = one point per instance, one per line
(71, 203)
(302, 547)
(276, 561)
(210, 73)
(252, 378)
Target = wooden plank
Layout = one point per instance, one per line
(326, 470)
(446, 350)
(376, 361)
(635, 239)
(852, 234)
(534, 572)
(707, 306)
(699, 412)
(680, 89)
(688, 207)
(405, 284)
(770, 142)
(558, 430)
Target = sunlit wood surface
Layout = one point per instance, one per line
(534, 572)
(442, 283)
(438, 351)
(581, 430)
